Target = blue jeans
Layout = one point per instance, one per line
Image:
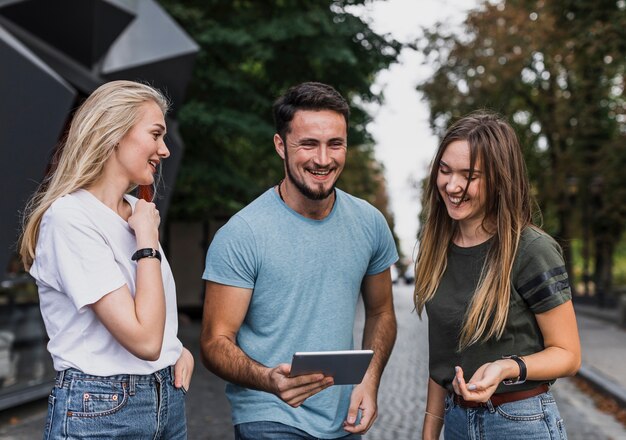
(275, 431)
(535, 418)
(134, 407)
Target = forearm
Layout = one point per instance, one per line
(548, 364)
(551, 363)
(433, 416)
(150, 302)
(222, 356)
(135, 315)
(379, 335)
(137, 321)
(149, 292)
(561, 357)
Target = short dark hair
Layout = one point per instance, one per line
(307, 96)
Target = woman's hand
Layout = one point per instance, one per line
(485, 380)
(183, 369)
(145, 221)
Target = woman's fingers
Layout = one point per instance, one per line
(458, 380)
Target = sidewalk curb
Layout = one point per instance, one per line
(594, 376)
(606, 315)
(602, 384)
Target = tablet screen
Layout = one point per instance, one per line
(346, 367)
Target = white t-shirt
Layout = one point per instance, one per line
(84, 252)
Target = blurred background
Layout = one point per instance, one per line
(555, 68)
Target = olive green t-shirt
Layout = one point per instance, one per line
(539, 283)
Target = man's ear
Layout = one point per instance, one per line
(279, 146)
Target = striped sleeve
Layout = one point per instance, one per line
(542, 280)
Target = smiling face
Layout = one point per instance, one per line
(314, 152)
(452, 179)
(140, 151)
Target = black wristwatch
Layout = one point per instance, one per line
(146, 253)
(522, 371)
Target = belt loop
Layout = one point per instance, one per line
(490, 406)
(132, 381)
(60, 378)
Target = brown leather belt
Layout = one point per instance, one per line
(499, 399)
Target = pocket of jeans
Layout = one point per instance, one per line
(100, 398)
(522, 410)
(48, 428)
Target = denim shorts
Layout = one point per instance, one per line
(535, 418)
(82, 406)
(273, 430)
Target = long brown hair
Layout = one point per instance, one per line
(508, 210)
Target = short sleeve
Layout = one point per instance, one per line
(542, 280)
(385, 252)
(232, 255)
(74, 258)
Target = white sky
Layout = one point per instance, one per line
(404, 141)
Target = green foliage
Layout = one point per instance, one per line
(251, 52)
(582, 269)
(619, 270)
(556, 70)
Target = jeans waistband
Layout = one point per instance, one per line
(66, 376)
(499, 399)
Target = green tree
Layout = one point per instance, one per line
(252, 51)
(556, 69)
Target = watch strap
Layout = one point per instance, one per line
(146, 253)
(522, 371)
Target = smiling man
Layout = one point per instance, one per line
(284, 275)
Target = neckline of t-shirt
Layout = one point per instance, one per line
(299, 216)
(471, 249)
(104, 208)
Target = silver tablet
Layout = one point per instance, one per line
(346, 367)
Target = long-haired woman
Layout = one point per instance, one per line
(106, 291)
(501, 324)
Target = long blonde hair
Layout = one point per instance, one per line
(97, 127)
(508, 210)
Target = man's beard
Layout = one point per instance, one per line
(306, 191)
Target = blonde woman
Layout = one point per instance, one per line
(500, 319)
(106, 291)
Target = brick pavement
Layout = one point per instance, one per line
(402, 393)
(604, 353)
(401, 397)
(208, 410)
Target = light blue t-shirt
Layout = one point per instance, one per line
(306, 277)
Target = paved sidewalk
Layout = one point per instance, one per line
(603, 351)
(403, 389)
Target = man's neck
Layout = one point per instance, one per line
(313, 209)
